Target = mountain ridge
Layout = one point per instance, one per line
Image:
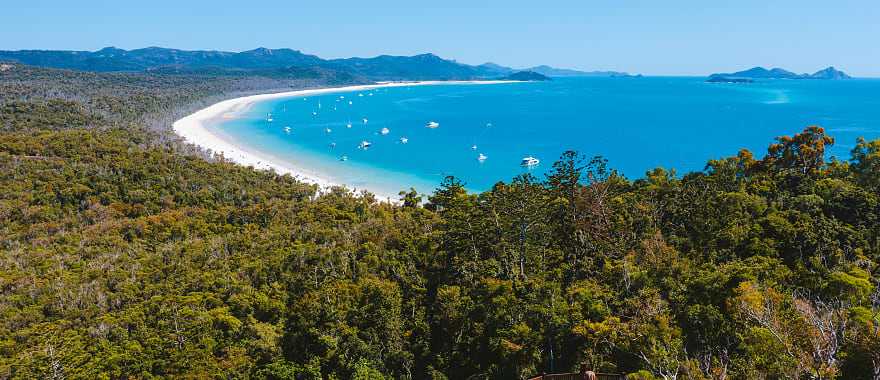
(159, 59)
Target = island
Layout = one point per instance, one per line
(715, 78)
(828, 73)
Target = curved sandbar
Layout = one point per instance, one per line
(193, 129)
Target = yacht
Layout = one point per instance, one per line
(287, 129)
(348, 125)
(482, 157)
(269, 118)
(432, 124)
(341, 97)
(385, 131)
(529, 161)
(365, 120)
(364, 144)
(314, 113)
(474, 147)
(350, 103)
(404, 140)
(360, 95)
(343, 158)
(328, 130)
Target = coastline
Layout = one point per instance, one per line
(193, 129)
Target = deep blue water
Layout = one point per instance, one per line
(636, 123)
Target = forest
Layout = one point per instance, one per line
(125, 254)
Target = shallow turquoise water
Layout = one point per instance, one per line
(636, 123)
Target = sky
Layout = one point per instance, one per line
(653, 37)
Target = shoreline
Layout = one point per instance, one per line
(193, 129)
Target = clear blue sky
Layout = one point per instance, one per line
(646, 36)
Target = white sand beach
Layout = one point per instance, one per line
(193, 130)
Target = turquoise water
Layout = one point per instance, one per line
(636, 123)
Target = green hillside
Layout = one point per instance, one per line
(126, 254)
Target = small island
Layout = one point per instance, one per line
(723, 79)
(526, 76)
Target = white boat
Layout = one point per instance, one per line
(482, 157)
(365, 120)
(529, 161)
(360, 95)
(341, 97)
(348, 125)
(404, 140)
(343, 158)
(385, 131)
(432, 124)
(364, 144)
(269, 118)
(287, 129)
(350, 103)
(328, 130)
(370, 94)
(474, 147)
(314, 113)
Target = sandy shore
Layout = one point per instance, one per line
(193, 129)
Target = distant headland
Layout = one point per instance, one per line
(526, 76)
(748, 76)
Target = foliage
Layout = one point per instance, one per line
(125, 257)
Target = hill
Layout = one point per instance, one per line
(526, 76)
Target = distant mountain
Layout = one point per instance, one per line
(113, 59)
(777, 73)
(526, 76)
(556, 72)
(418, 67)
(383, 67)
(156, 59)
(829, 73)
(493, 69)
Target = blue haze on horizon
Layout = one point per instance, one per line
(679, 37)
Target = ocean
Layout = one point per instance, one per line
(637, 124)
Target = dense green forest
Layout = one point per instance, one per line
(125, 254)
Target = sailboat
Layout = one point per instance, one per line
(529, 161)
